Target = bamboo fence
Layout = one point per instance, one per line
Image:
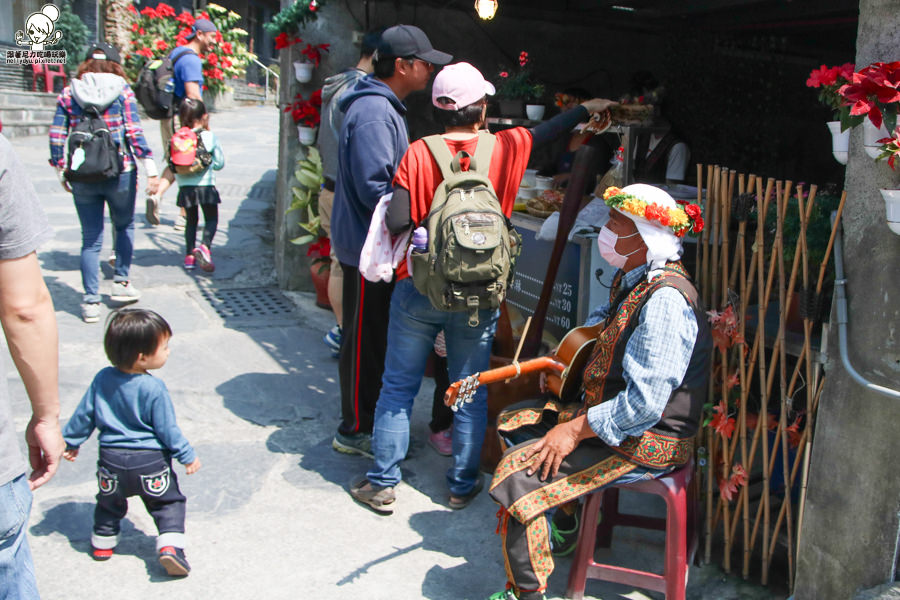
(742, 280)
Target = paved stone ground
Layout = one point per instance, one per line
(256, 393)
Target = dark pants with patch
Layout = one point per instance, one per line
(122, 473)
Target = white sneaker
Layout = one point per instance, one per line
(90, 312)
(123, 291)
(112, 260)
(180, 222)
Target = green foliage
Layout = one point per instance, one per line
(306, 194)
(75, 37)
(292, 18)
(818, 230)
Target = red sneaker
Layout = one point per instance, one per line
(101, 553)
(173, 561)
(442, 442)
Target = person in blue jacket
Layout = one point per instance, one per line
(372, 141)
(138, 437)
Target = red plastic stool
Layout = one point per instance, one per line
(678, 491)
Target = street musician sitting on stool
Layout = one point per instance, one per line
(644, 386)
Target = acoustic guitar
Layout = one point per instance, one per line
(565, 368)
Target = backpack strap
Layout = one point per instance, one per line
(481, 162)
(182, 55)
(441, 153)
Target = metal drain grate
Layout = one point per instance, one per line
(248, 304)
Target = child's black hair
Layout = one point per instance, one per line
(131, 332)
(191, 111)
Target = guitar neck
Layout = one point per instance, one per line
(462, 391)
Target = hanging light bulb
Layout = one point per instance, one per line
(486, 9)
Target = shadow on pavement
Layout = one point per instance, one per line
(73, 520)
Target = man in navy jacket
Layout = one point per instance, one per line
(372, 141)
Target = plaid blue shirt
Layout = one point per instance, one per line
(121, 118)
(656, 358)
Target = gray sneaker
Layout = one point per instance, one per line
(378, 498)
(357, 443)
(152, 211)
(90, 312)
(123, 291)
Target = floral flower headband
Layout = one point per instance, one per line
(680, 220)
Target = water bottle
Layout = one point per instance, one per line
(420, 240)
(170, 85)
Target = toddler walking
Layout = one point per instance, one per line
(138, 437)
(197, 189)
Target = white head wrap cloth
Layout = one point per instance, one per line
(662, 243)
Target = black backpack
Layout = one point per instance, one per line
(155, 86)
(93, 154)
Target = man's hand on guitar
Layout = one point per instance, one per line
(554, 447)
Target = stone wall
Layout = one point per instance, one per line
(850, 528)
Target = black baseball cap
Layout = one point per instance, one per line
(409, 40)
(104, 51)
(202, 25)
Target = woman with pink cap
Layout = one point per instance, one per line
(459, 95)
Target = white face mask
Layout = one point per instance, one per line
(606, 242)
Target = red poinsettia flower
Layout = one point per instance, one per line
(732, 381)
(219, 37)
(321, 248)
(145, 52)
(132, 9)
(161, 44)
(186, 19)
(164, 10)
(523, 58)
(150, 13)
(226, 63)
(212, 59)
(134, 27)
(721, 422)
(203, 15)
(504, 74)
(729, 487)
(876, 84)
(794, 433)
(227, 48)
(141, 31)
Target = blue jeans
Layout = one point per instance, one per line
(412, 327)
(119, 193)
(17, 580)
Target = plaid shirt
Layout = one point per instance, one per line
(121, 118)
(655, 361)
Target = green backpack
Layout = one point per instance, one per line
(472, 245)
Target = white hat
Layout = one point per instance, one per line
(462, 83)
(662, 243)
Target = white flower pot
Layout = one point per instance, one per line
(303, 71)
(892, 206)
(871, 135)
(307, 135)
(840, 142)
(535, 112)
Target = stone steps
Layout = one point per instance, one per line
(26, 113)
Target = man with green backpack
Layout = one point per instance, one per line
(460, 187)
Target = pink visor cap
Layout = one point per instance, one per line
(462, 83)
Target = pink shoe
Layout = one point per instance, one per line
(442, 442)
(189, 262)
(204, 258)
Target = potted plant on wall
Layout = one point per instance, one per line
(890, 150)
(306, 115)
(516, 87)
(309, 178)
(829, 80)
(292, 18)
(873, 92)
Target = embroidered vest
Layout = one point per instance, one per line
(670, 441)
